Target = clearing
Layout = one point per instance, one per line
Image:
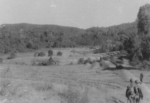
(68, 82)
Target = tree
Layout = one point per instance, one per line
(144, 20)
(144, 30)
(141, 51)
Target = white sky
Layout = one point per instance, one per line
(77, 13)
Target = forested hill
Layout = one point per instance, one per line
(39, 28)
(24, 37)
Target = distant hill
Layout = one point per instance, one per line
(25, 37)
(39, 28)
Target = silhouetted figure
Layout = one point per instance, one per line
(130, 95)
(141, 77)
(138, 92)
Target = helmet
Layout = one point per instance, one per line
(131, 80)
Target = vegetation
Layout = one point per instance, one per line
(49, 62)
(140, 50)
(70, 96)
(59, 53)
(39, 54)
(133, 37)
(81, 61)
(27, 37)
(50, 53)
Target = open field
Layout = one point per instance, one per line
(68, 82)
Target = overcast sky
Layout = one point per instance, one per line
(77, 13)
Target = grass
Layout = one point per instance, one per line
(70, 96)
(84, 98)
(42, 87)
(12, 55)
(5, 83)
(4, 87)
(74, 96)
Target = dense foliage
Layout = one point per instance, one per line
(25, 37)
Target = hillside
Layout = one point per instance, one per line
(25, 37)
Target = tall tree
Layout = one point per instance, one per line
(144, 20)
(144, 30)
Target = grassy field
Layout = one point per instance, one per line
(68, 82)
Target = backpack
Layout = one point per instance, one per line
(129, 91)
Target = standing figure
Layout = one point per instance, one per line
(141, 77)
(138, 92)
(130, 95)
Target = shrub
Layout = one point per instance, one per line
(50, 53)
(88, 61)
(41, 54)
(81, 61)
(43, 63)
(49, 62)
(59, 53)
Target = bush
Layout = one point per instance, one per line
(41, 54)
(59, 53)
(50, 53)
(81, 61)
(49, 62)
(88, 61)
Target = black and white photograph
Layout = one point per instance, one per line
(74, 51)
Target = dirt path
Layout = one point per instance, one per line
(146, 90)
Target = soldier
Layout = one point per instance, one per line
(138, 92)
(130, 92)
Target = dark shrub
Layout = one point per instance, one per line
(50, 61)
(88, 61)
(41, 54)
(59, 53)
(43, 63)
(81, 61)
(50, 53)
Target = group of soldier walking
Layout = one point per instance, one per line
(134, 92)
